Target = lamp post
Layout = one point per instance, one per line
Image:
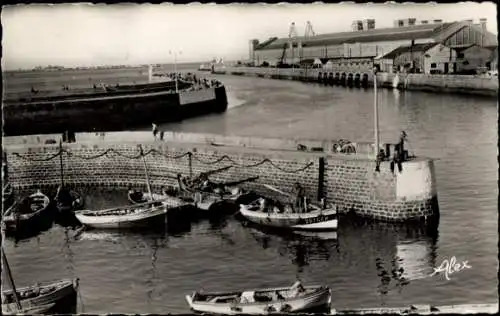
(375, 110)
(175, 68)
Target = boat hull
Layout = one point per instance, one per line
(62, 300)
(28, 222)
(138, 220)
(317, 301)
(77, 203)
(314, 221)
(166, 200)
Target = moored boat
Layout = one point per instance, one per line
(314, 218)
(28, 310)
(138, 197)
(46, 297)
(30, 211)
(139, 215)
(56, 296)
(296, 298)
(205, 193)
(67, 200)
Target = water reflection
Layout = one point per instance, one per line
(396, 254)
(301, 247)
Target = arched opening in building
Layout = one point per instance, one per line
(350, 80)
(357, 80)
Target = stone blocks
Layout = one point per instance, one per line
(348, 181)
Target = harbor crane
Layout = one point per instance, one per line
(309, 30)
(292, 35)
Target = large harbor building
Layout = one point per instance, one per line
(366, 45)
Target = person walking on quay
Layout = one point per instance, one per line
(380, 158)
(155, 130)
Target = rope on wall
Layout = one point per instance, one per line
(151, 151)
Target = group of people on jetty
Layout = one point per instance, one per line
(399, 155)
(197, 83)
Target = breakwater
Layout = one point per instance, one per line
(110, 112)
(463, 84)
(349, 180)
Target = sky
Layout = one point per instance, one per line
(88, 34)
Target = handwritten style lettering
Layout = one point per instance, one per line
(451, 266)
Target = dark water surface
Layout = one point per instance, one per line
(366, 265)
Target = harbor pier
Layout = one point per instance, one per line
(348, 179)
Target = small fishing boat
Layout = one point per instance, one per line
(7, 196)
(205, 193)
(314, 218)
(67, 200)
(296, 298)
(47, 297)
(310, 217)
(139, 215)
(138, 197)
(57, 295)
(37, 310)
(30, 211)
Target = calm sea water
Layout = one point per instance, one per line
(366, 265)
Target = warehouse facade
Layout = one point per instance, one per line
(370, 44)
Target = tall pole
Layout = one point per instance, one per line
(375, 116)
(175, 71)
(146, 171)
(61, 162)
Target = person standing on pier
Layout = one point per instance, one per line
(155, 130)
(299, 197)
(401, 145)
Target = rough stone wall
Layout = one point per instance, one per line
(116, 168)
(349, 181)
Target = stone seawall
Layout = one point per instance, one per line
(464, 84)
(350, 181)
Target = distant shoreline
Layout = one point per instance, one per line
(52, 68)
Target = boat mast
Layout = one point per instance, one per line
(146, 172)
(61, 163)
(11, 280)
(375, 111)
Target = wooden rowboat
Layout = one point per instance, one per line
(315, 218)
(54, 297)
(37, 310)
(29, 212)
(138, 197)
(139, 215)
(205, 194)
(57, 296)
(263, 301)
(67, 200)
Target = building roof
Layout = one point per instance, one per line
(417, 48)
(437, 31)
